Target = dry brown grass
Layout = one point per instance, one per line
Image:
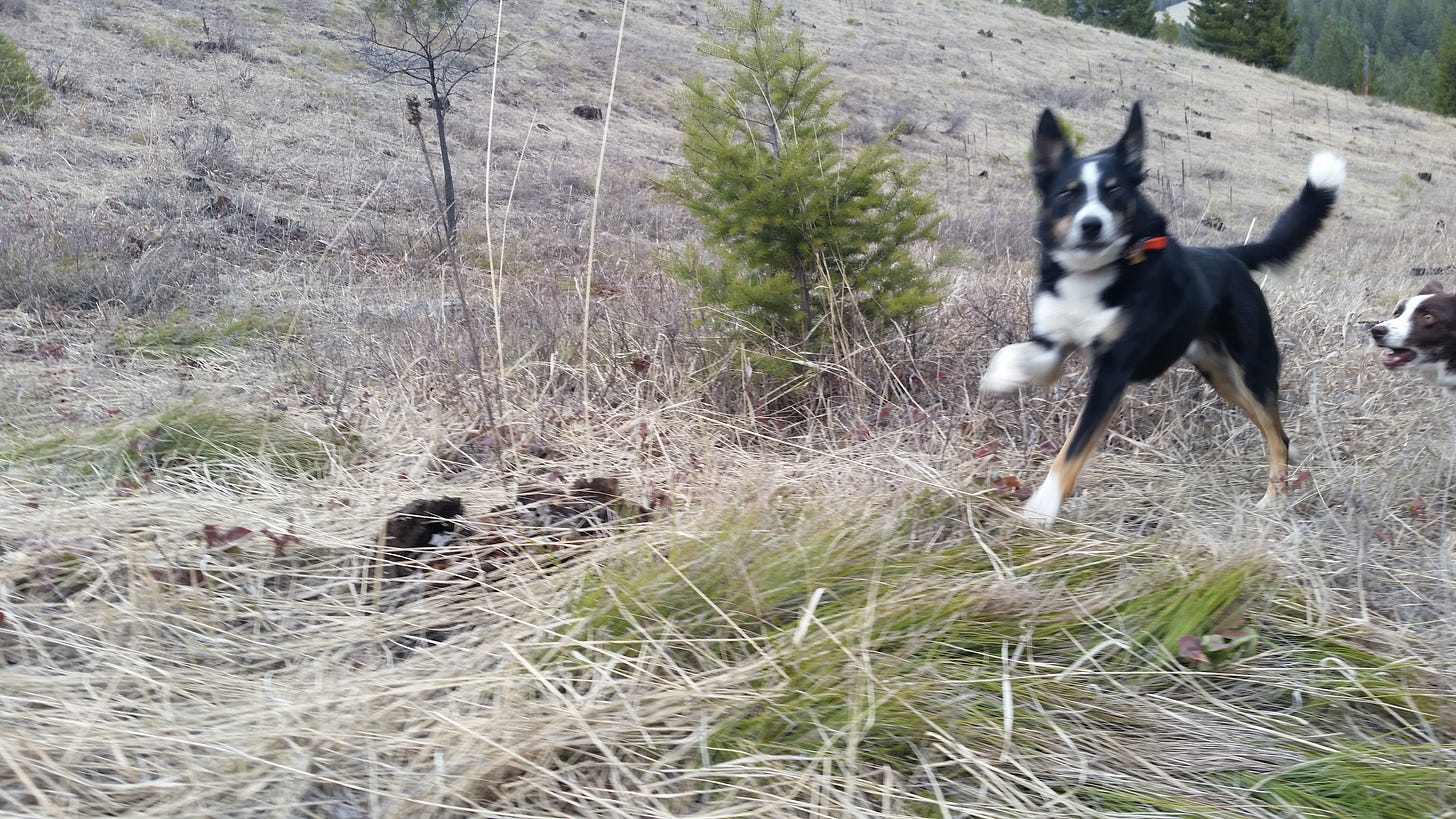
(146, 673)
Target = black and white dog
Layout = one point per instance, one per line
(1422, 336)
(1113, 282)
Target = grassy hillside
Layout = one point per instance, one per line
(231, 354)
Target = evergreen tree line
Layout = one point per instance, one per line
(1412, 43)
(1412, 48)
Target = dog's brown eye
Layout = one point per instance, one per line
(1428, 318)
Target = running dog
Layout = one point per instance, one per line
(1113, 282)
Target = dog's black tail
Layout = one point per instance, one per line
(1301, 220)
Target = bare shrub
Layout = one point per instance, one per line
(62, 79)
(206, 150)
(226, 39)
(131, 257)
(1067, 97)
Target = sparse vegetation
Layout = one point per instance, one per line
(188, 442)
(813, 245)
(22, 96)
(434, 46)
(168, 43)
(180, 332)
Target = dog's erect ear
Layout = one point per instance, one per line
(1431, 288)
(1131, 144)
(1049, 148)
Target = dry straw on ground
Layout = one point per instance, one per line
(843, 622)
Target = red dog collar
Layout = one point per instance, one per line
(1136, 255)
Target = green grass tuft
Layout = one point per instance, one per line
(889, 634)
(183, 333)
(191, 440)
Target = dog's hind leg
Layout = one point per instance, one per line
(1015, 365)
(1044, 504)
(1258, 401)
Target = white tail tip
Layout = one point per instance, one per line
(1326, 171)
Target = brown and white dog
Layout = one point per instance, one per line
(1421, 337)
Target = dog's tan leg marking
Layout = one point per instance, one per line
(1227, 378)
(1042, 507)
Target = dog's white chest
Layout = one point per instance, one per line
(1438, 373)
(1075, 314)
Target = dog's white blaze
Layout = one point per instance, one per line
(1075, 314)
(1093, 208)
(1078, 260)
(1044, 504)
(1326, 171)
(1398, 329)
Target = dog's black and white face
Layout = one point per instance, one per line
(1088, 203)
(1422, 336)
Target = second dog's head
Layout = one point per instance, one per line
(1090, 205)
(1422, 331)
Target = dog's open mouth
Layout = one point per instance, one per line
(1396, 357)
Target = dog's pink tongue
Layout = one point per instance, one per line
(1398, 358)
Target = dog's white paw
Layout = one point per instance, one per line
(1016, 365)
(1042, 507)
(1004, 373)
(1272, 499)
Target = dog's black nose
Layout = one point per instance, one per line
(1091, 227)
(1379, 331)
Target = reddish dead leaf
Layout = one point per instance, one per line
(1301, 480)
(934, 375)
(129, 486)
(1191, 648)
(1418, 506)
(641, 364)
(1384, 536)
(1048, 448)
(280, 541)
(1011, 485)
(216, 538)
(606, 292)
(145, 442)
(986, 450)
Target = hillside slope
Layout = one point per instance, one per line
(232, 354)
